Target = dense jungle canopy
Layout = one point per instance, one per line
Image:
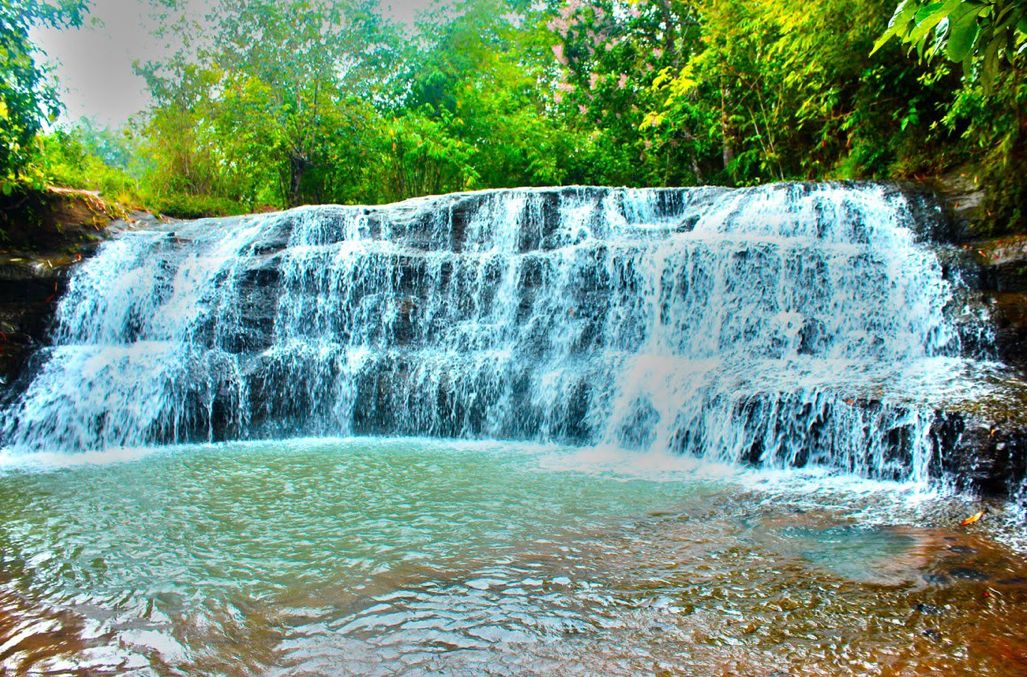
(275, 103)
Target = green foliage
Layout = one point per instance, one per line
(989, 110)
(287, 102)
(476, 97)
(185, 206)
(992, 122)
(91, 158)
(334, 104)
(986, 36)
(741, 92)
(262, 118)
(28, 98)
(610, 55)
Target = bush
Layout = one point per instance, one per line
(181, 206)
(72, 159)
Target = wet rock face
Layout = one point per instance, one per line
(995, 269)
(29, 290)
(1000, 462)
(980, 446)
(770, 326)
(45, 235)
(988, 441)
(1002, 281)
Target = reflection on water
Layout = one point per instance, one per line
(335, 557)
(854, 552)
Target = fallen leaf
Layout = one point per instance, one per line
(972, 519)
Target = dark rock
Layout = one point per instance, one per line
(47, 234)
(968, 574)
(961, 199)
(983, 450)
(987, 455)
(29, 290)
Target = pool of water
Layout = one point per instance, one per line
(383, 556)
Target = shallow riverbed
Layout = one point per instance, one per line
(382, 556)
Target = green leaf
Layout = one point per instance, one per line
(989, 69)
(904, 14)
(962, 35)
(931, 16)
(899, 24)
(927, 11)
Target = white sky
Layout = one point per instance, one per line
(94, 63)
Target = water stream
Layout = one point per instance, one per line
(578, 431)
(736, 326)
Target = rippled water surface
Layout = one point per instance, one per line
(383, 556)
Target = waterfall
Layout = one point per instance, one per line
(781, 325)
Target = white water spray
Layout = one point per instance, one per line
(783, 325)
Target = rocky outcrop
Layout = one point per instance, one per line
(255, 382)
(987, 443)
(1001, 278)
(43, 236)
(29, 289)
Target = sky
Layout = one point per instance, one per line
(94, 63)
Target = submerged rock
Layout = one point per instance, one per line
(968, 574)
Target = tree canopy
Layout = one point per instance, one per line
(287, 102)
(28, 96)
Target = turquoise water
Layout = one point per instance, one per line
(378, 556)
(261, 518)
(205, 536)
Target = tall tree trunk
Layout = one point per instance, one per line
(725, 130)
(298, 164)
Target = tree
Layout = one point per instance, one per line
(262, 104)
(991, 34)
(28, 97)
(475, 75)
(789, 91)
(740, 91)
(989, 39)
(609, 53)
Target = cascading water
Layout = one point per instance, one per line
(782, 325)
